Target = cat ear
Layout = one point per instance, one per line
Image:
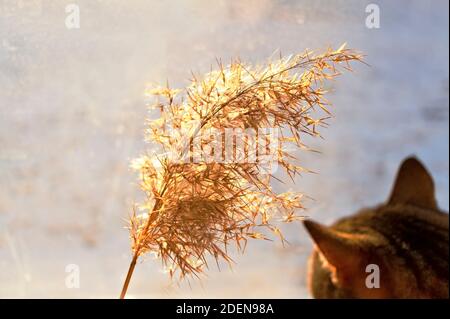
(338, 248)
(413, 185)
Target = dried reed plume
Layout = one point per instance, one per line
(196, 209)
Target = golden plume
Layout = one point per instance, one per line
(201, 198)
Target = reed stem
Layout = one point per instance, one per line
(129, 274)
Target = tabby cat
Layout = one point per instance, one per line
(404, 242)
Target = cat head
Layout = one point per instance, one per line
(349, 256)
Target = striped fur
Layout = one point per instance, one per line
(406, 239)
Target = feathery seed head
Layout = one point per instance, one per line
(196, 206)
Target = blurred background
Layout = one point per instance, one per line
(72, 115)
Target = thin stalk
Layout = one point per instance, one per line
(129, 274)
(138, 248)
